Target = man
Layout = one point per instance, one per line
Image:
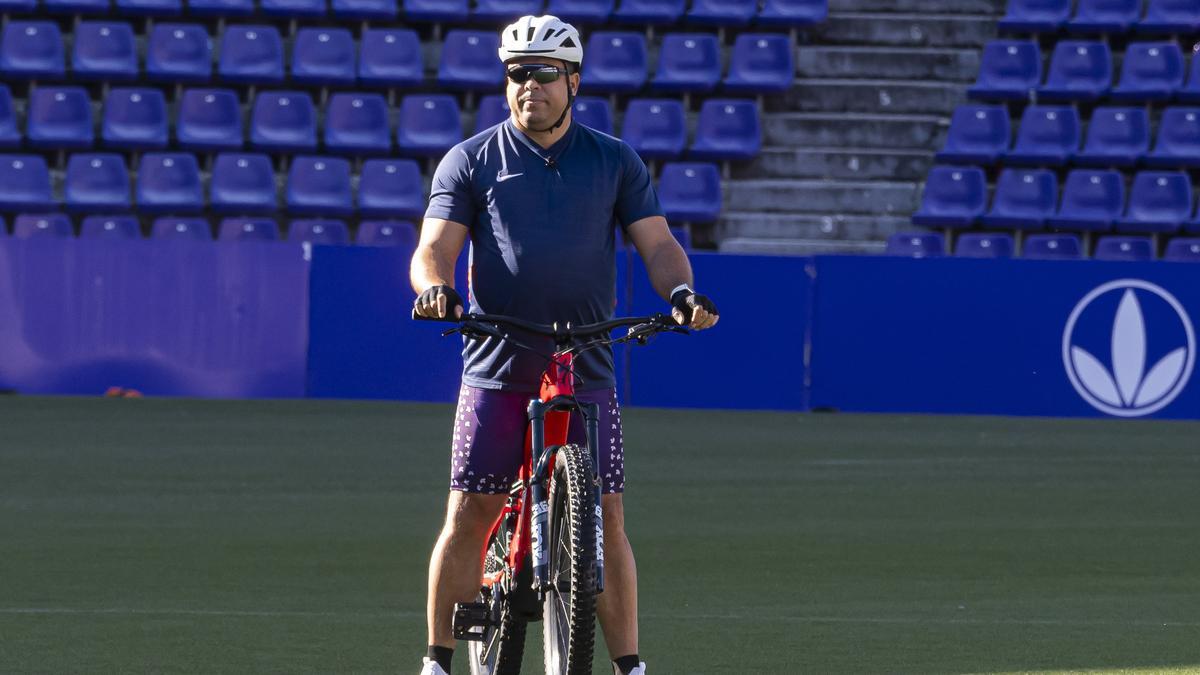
(540, 198)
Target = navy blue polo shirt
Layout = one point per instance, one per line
(542, 226)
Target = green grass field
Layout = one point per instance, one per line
(293, 537)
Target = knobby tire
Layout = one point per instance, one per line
(569, 611)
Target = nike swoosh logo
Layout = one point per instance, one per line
(500, 178)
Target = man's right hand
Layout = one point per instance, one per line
(434, 302)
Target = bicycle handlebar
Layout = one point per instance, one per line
(564, 333)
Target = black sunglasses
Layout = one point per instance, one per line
(540, 72)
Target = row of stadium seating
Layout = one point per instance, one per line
(1102, 16)
(353, 124)
(390, 57)
(787, 13)
(1040, 247)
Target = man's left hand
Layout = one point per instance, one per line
(694, 310)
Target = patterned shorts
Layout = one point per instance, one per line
(489, 439)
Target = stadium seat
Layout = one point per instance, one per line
(104, 50)
(688, 62)
(323, 56)
(504, 11)
(760, 64)
(445, 11)
(32, 49)
(134, 119)
(648, 12)
(1009, 70)
(178, 52)
(469, 61)
(493, 109)
(25, 184)
(1105, 16)
(209, 119)
(727, 129)
(429, 125)
(1024, 199)
(293, 8)
(979, 134)
(1052, 247)
(391, 187)
(243, 184)
(1178, 140)
(1152, 71)
(733, 13)
(954, 196)
(169, 183)
(221, 7)
(616, 62)
(1116, 137)
(320, 186)
(581, 11)
(16, 7)
(690, 192)
(283, 121)
(97, 183)
(149, 7)
(76, 6)
(1183, 249)
(1159, 201)
(1091, 200)
(10, 135)
(1035, 16)
(1175, 17)
(593, 112)
(365, 9)
(655, 128)
(1133, 249)
(792, 13)
(357, 124)
(1190, 91)
(984, 245)
(390, 57)
(915, 244)
(387, 233)
(251, 54)
(319, 231)
(38, 225)
(181, 229)
(248, 229)
(1049, 136)
(59, 118)
(110, 227)
(1079, 71)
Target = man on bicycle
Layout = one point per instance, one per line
(540, 198)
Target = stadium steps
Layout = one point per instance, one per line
(853, 130)
(895, 63)
(837, 163)
(908, 30)
(824, 197)
(869, 96)
(810, 226)
(991, 7)
(774, 246)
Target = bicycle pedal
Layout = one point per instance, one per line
(471, 619)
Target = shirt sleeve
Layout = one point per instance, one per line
(636, 198)
(451, 197)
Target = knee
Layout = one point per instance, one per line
(472, 514)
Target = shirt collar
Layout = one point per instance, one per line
(555, 150)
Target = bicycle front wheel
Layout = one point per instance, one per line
(569, 611)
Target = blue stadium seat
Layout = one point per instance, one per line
(792, 12)
(283, 121)
(648, 12)
(25, 184)
(209, 119)
(429, 125)
(1178, 140)
(391, 187)
(357, 124)
(319, 231)
(110, 227)
(448, 11)
(1175, 17)
(1024, 199)
(1091, 200)
(1116, 137)
(492, 110)
(104, 50)
(616, 62)
(984, 245)
(59, 117)
(248, 229)
(97, 183)
(688, 62)
(387, 233)
(323, 56)
(16, 7)
(581, 11)
(293, 8)
(169, 183)
(179, 52)
(243, 184)
(320, 186)
(390, 57)
(1132, 249)
(690, 192)
(733, 13)
(1049, 136)
(1052, 247)
(727, 129)
(915, 244)
(1008, 71)
(1159, 201)
(469, 61)
(1035, 16)
(221, 7)
(32, 50)
(505, 11)
(1105, 16)
(1183, 249)
(10, 135)
(655, 127)
(186, 229)
(979, 134)
(1152, 71)
(135, 119)
(1079, 71)
(149, 7)
(365, 9)
(760, 64)
(39, 225)
(954, 196)
(593, 112)
(1190, 91)
(76, 6)
(251, 54)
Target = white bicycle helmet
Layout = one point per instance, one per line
(541, 36)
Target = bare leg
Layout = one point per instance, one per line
(617, 605)
(457, 564)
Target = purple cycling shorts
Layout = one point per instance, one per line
(489, 439)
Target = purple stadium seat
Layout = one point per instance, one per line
(469, 61)
(248, 229)
(1009, 70)
(1049, 136)
(984, 245)
(1152, 71)
(1035, 16)
(1052, 247)
(104, 50)
(688, 62)
(979, 134)
(1133, 249)
(323, 56)
(110, 227)
(429, 125)
(25, 184)
(179, 52)
(733, 13)
(135, 119)
(1116, 137)
(792, 12)
(1079, 71)
(149, 7)
(648, 12)
(243, 184)
(916, 244)
(169, 183)
(505, 11)
(390, 57)
(320, 186)
(1024, 199)
(251, 54)
(97, 183)
(954, 196)
(1183, 249)
(1091, 200)
(760, 64)
(39, 225)
(492, 110)
(59, 117)
(283, 121)
(186, 229)
(221, 7)
(10, 136)
(1159, 201)
(391, 187)
(1178, 141)
(32, 50)
(1105, 16)
(447, 11)
(16, 7)
(76, 6)
(593, 112)
(365, 9)
(209, 119)
(293, 8)
(319, 231)
(617, 62)
(357, 124)
(1176, 17)
(581, 11)
(690, 192)
(387, 233)
(655, 128)
(727, 129)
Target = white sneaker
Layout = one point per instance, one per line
(640, 670)
(432, 667)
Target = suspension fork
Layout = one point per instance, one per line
(591, 418)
